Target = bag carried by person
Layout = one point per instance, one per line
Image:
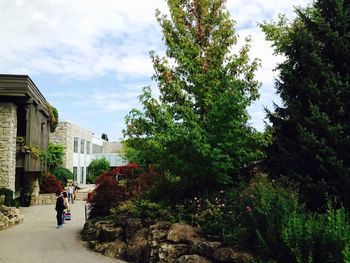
(68, 216)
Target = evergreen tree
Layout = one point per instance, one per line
(197, 131)
(311, 130)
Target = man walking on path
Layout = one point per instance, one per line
(59, 209)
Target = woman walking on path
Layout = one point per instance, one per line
(59, 209)
(70, 192)
(66, 205)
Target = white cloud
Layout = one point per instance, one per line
(83, 39)
(77, 38)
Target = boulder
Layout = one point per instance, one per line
(230, 255)
(181, 233)
(138, 247)
(131, 226)
(10, 212)
(160, 225)
(169, 252)
(101, 247)
(2, 199)
(154, 238)
(92, 244)
(4, 220)
(13, 221)
(100, 224)
(108, 233)
(89, 234)
(158, 235)
(116, 249)
(204, 247)
(88, 225)
(192, 259)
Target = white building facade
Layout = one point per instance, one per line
(81, 146)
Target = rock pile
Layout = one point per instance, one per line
(9, 216)
(136, 241)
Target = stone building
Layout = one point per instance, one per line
(82, 146)
(24, 132)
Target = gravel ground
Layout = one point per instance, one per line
(37, 239)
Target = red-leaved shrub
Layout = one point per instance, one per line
(50, 184)
(107, 195)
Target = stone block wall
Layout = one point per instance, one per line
(44, 199)
(60, 136)
(64, 135)
(8, 133)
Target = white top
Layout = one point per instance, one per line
(70, 189)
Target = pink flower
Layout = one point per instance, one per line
(248, 208)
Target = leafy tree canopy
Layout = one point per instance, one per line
(96, 168)
(197, 129)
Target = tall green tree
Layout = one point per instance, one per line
(197, 129)
(311, 129)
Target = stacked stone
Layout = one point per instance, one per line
(44, 199)
(9, 216)
(159, 242)
(8, 133)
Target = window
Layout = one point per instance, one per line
(96, 148)
(88, 147)
(82, 142)
(75, 173)
(82, 175)
(75, 147)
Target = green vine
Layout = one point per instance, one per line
(35, 151)
(53, 117)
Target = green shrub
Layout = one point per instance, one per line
(144, 208)
(96, 168)
(9, 200)
(323, 238)
(211, 219)
(63, 175)
(264, 209)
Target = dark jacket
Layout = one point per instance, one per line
(59, 203)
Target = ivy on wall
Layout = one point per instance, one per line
(53, 117)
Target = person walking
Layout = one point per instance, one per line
(70, 192)
(59, 209)
(66, 206)
(75, 189)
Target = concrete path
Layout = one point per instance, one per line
(37, 239)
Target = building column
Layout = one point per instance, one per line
(8, 135)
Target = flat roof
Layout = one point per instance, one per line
(12, 85)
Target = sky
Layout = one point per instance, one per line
(90, 58)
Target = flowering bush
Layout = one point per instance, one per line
(50, 184)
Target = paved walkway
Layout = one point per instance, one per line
(37, 239)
